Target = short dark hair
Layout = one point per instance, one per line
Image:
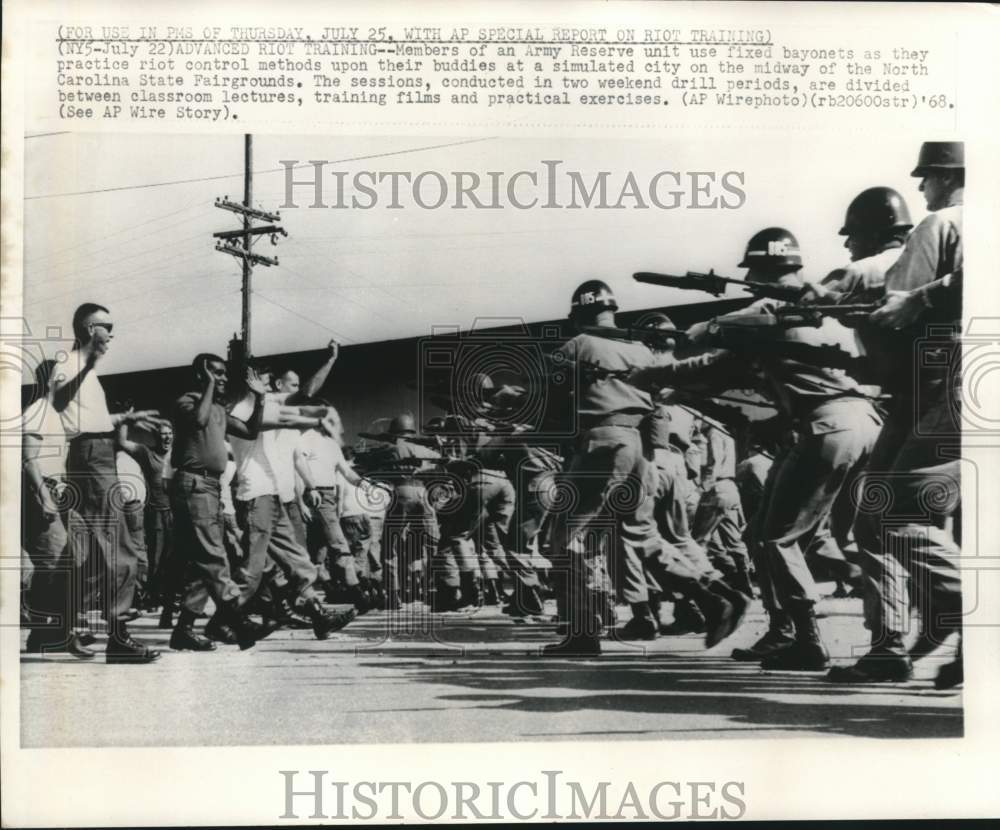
(206, 357)
(82, 313)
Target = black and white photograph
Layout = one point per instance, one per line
(491, 439)
(507, 415)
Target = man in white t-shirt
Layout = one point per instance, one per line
(268, 530)
(90, 467)
(320, 464)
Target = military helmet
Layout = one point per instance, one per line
(939, 155)
(657, 320)
(593, 294)
(403, 424)
(772, 247)
(876, 209)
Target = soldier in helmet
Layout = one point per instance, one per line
(667, 434)
(919, 448)
(612, 482)
(876, 226)
(836, 426)
(410, 533)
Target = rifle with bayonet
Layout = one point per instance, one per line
(789, 316)
(715, 284)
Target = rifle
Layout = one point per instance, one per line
(654, 338)
(795, 316)
(715, 284)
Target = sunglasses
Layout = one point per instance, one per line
(106, 326)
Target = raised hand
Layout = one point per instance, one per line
(254, 383)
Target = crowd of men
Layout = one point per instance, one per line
(244, 496)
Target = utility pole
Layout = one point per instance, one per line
(239, 243)
(247, 267)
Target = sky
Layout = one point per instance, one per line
(144, 247)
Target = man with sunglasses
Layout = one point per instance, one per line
(99, 523)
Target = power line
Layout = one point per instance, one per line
(115, 233)
(323, 326)
(257, 172)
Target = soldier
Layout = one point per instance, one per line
(410, 531)
(613, 484)
(920, 446)
(836, 427)
(875, 228)
(199, 458)
(719, 522)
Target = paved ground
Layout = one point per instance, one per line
(464, 678)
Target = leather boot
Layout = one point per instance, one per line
(886, 662)
(687, 619)
(741, 580)
(642, 626)
(719, 614)
(446, 598)
(951, 674)
(122, 649)
(282, 612)
(492, 592)
(184, 637)
(167, 616)
(807, 652)
(324, 622)
(739, 601)
(219, 631)
(357, 596)
(246, 631)
(583, 640)
(780, 634)
(472, 596)
(525, 602)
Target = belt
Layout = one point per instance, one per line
(613, 419)
(88, 435)
(200, 471)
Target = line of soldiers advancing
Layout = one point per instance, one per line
(613, 509)
(874, 455)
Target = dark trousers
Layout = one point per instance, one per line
(910, 493)
(800, 493)
(609, 512)
(199, 532)
(53, 595)
(159, 525)
(330, 551)
(409, 534)
(99, 524)
(268, 533)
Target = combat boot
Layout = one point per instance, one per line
(472, 596)
(231, 619)
(184, 637)
(492, 593)
(584, 641)
(886, 662)
(779, 635)
(642, 626)
(324, 622)
(687, 619)
(807, 652)
(951, 674)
